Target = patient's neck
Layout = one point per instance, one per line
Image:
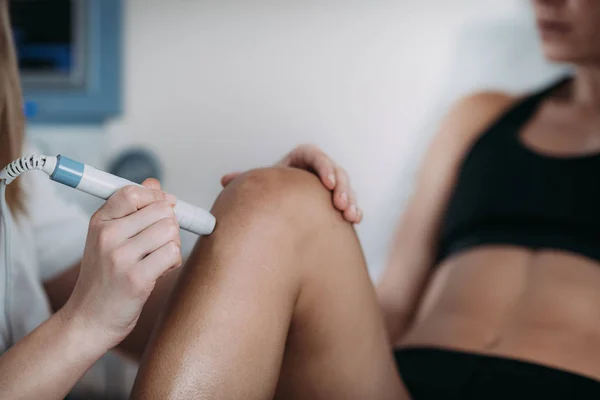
(586, 87)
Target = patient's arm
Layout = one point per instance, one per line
(414, 248)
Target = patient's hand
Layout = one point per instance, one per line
(333, 177)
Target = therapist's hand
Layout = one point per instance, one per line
(333, 177)
(133, 239)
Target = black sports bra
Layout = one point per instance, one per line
(509, 194)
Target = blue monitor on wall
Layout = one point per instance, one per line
(69, 54)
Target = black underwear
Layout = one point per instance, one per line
(447, 375)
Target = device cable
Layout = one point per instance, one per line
(6, 221)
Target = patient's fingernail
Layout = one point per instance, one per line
(344, 197)
(331, 178)
(353, 211)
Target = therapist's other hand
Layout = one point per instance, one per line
(313, 159)
(133, 240)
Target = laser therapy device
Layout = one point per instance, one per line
(89, 180)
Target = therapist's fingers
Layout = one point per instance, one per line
(155, 236)
(152, 183)
(226, 180)
(130, 199)
(134, 224)
(161, 261)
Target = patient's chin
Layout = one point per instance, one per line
(565, 55)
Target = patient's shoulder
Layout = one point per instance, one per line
(475, 112)
(486, 98)
(471, 115)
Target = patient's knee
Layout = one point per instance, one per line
(275, 196)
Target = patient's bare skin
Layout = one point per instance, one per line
(277, 302)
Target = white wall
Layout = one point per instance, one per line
(213, 87)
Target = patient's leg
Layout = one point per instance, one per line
(277, 302)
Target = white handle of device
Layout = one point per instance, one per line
(101, 184)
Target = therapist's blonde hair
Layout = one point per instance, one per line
(12, 119)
